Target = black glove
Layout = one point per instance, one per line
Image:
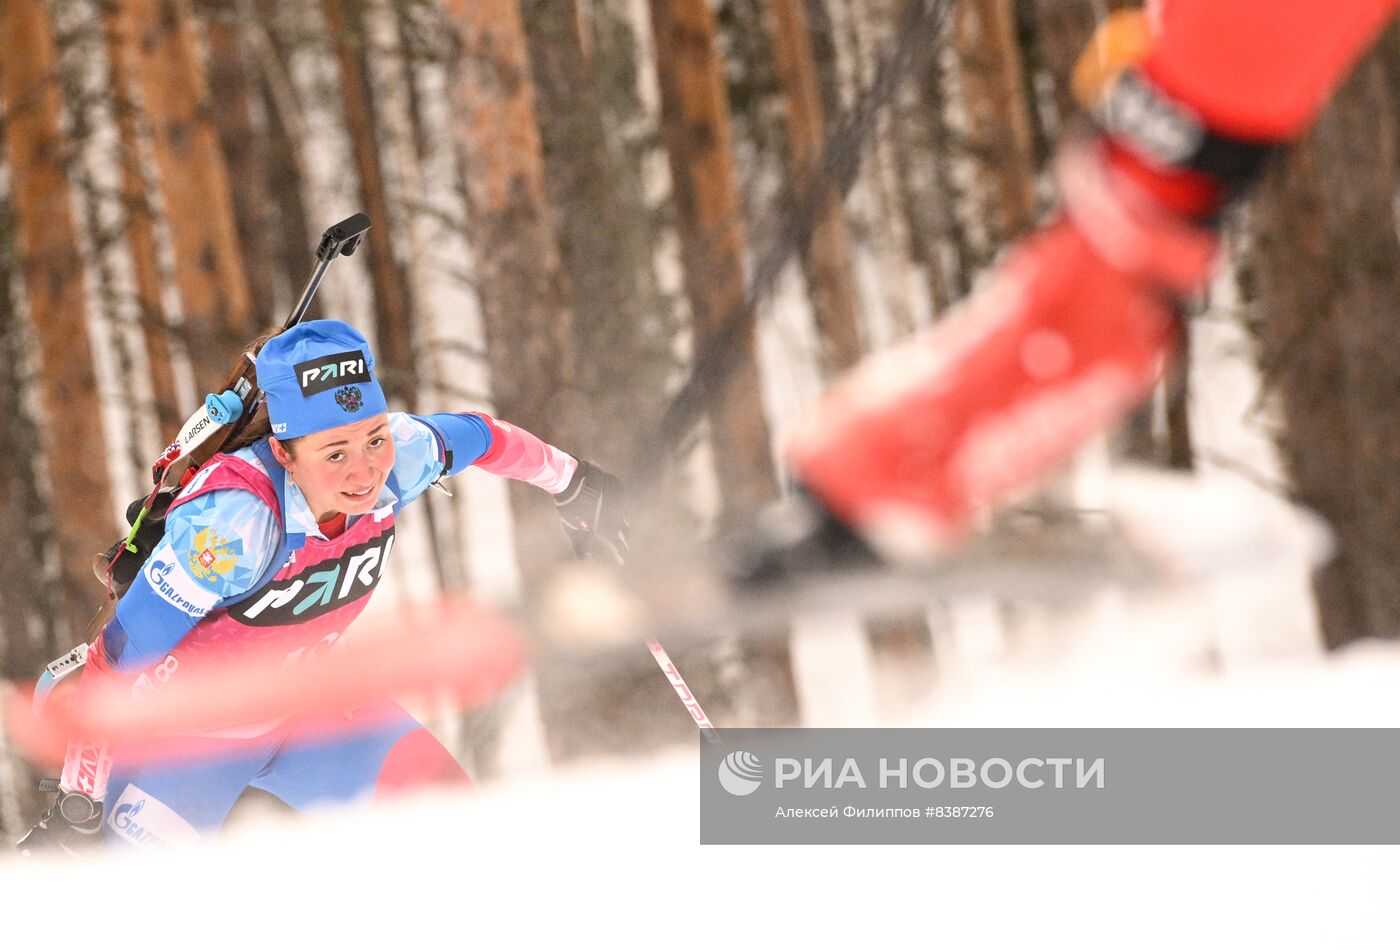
(592, 511)
(72, 825)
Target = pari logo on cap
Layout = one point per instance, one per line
(316, 376)
(328, 372)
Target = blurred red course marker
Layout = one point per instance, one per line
(451, 648)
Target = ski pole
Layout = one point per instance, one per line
(583, 541)
(673, 675)
(683, 691)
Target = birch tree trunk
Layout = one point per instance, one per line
(422, 235)
(392, 305)
(98, 216)
(29, 636)
(209, 272)
(141, 231)
(922, 144)
(998, 130)
(620, 354)
(859, 30)
(33, 632)
(74, 444)
(231, 85)
(529, 330)
(292, 238)
(827, 257)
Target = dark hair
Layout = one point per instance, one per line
(259, 426)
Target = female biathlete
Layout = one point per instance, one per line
(275, 547)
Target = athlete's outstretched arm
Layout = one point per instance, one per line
(447, 443)
(587, 498)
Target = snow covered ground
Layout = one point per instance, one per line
(608, 850)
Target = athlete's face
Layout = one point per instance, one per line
(341, 469)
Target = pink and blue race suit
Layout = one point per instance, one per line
(244, 567)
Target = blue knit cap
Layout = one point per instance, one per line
(316, 376)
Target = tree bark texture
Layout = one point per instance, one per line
(194, 183)
(32, 632)
(827, 257)
(292, 239)
(528, 327)
(603, 251)
(999, 133)
(74, 443)
(859, 30)
(695, 128)
(241, 140)
(140, 226)
(1358, 135)
(1323, 278)
(26, 599)
(82, 94)
(392, 305)
(1289, 275)
(922, 144)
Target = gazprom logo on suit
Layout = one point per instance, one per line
(175, 585)
(141, 819)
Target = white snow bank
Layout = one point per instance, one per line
(609, 852)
